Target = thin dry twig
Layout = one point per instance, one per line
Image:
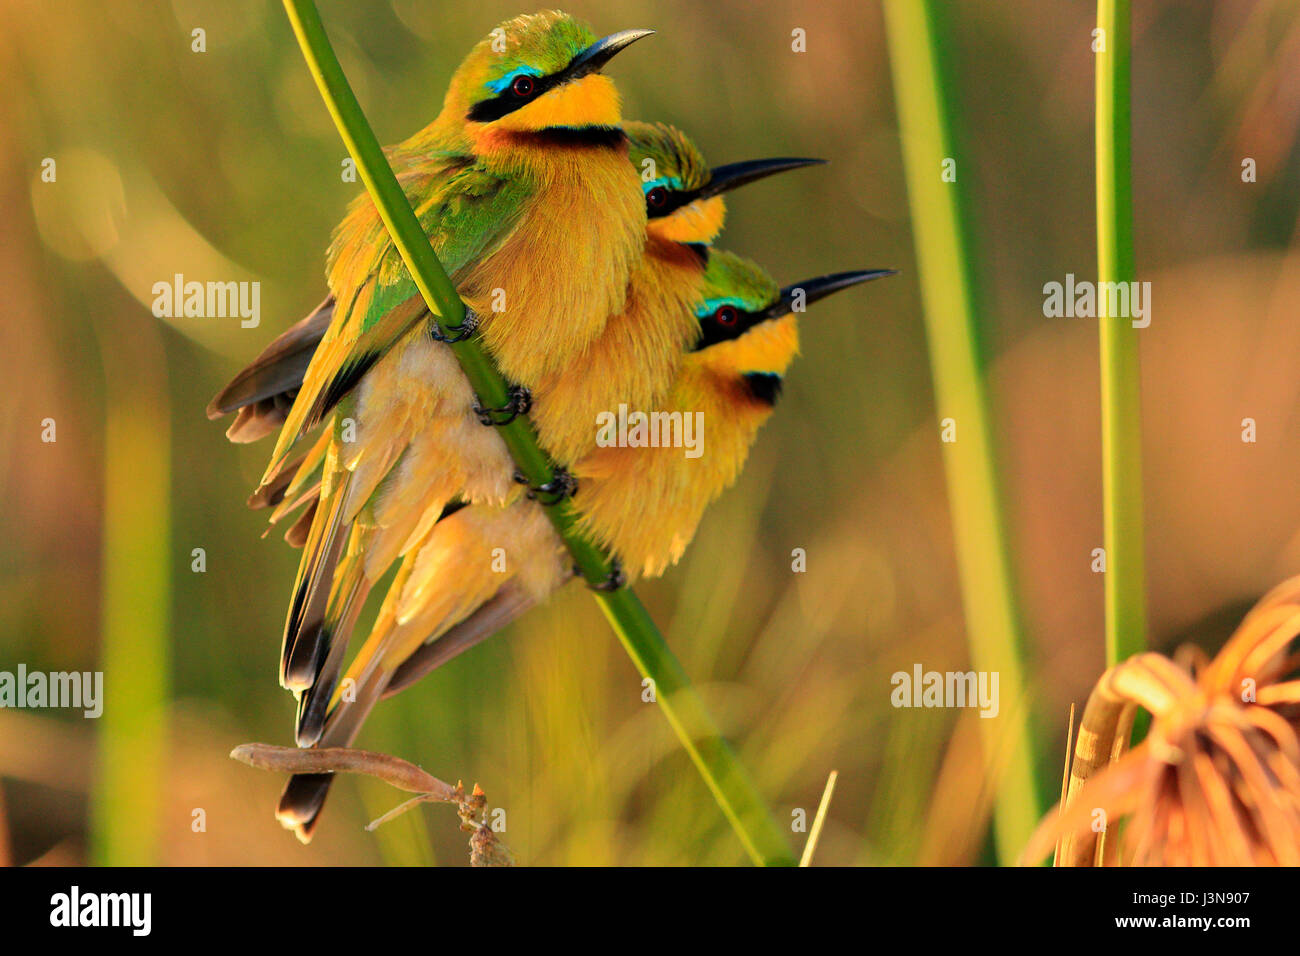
(486, 849)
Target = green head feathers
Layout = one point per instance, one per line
(737, 294)
(532, 46)
(665, 157)
(522, 61)
(683, 195)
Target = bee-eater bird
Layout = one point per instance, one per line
(524, 187)
(644, 504)
(684, 209)
(452, 590)
(635, 358)
(631, 362)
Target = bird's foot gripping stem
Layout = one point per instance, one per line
(459, 333)
(519, 403)
(562, 485)
(615, 581)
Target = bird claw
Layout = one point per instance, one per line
(615, 581)
(562, 485)
(519, 403)
(459, 333)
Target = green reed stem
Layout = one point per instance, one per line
(1121, 408)
(945, 254)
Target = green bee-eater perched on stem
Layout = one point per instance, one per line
(631, 363)
(524, 188)
(642, 503)
(515, 184)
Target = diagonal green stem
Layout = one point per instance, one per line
(945, 254)
(1121, 412)
(726, 778)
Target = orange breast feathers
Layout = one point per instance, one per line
(632, 362)
(545, 295)
(644, 503)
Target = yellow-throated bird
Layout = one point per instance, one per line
(632, 361)
(643, 503)
(524, 187)
(635, 358)
(637, 352)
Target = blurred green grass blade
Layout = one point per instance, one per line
(1121, 410)
(945, 254)
(727, 780)
(127, 799)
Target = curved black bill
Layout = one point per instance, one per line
(601, 52)
(728, 177)
(820, 288)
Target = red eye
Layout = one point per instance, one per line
(726, 315)
(657, 197)
(522, 86)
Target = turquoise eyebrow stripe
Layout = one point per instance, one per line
(497, 86)
(709, 306)
(671, 182)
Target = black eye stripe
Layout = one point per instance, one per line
(713, 332)
(676, 199)
(507, 101)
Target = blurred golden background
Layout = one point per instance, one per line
(223, 164)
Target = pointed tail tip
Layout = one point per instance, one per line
(303, 830)
(301, 802)
(308, 734)
(300, 667)
(310, 724)
(295, 683)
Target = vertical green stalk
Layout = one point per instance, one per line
(945, 254)
(127, 801)
(1121, 411)
(727, 780)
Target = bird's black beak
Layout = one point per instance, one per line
(813, 289)
(725, 178)
(601, 52)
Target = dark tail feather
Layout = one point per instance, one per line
(302, 649)
(340, 620)
(304, 795)
(277, 371)
(313, 703)
(301, 803)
